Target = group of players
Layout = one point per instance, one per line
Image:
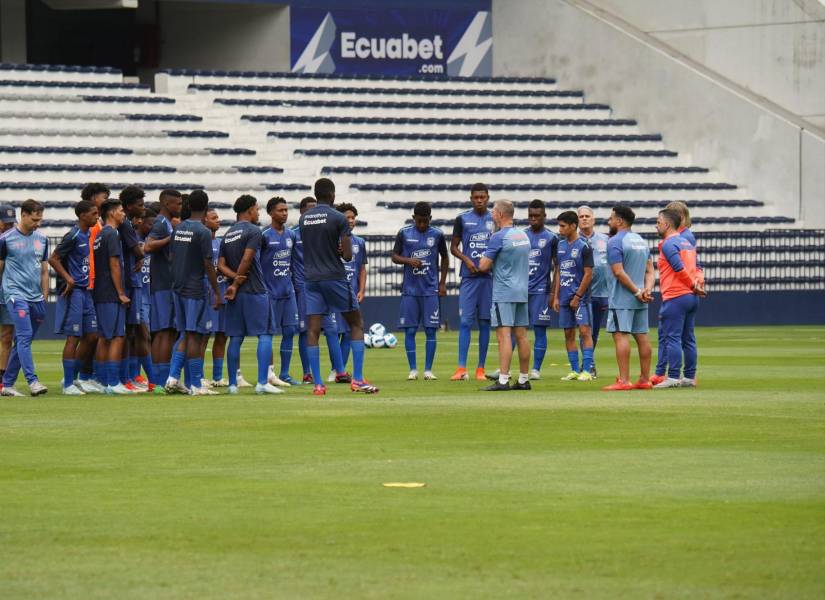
(144, 287)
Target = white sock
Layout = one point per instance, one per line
(503, 378)
(523, 377)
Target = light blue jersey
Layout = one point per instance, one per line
(600, 286)
(509, 249)
(631, 251)
(23, 256)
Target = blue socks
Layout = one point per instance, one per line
(334, 354)
(148, 367)
(264, 352)
(178, 360)
(314, 356)
(69, 365)
(217, 369)
(195, 368)
(573, 357)
(587, 359)
(430, 346)
(286, 351)
(134, 367)
(233, 359)
(483, 341)
(358, 360)
(409, 347)
(463, 345)
(539, 347)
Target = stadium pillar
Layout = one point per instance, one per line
(13, 31)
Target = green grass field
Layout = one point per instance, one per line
(564, 491)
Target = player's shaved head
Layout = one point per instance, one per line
(325, 191)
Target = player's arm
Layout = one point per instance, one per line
(444, 266)
(458, 229)
(56, 263)
(362, 283)
(153, 242)
(398, 254)
(346, 246)
(674, 259)
(650, 282)
(485, 264)
(44, 278)
(209, 268)
(554, 303)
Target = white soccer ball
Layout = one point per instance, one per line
(378, 330)
(367, 340)
(390, 341)
(378, 341)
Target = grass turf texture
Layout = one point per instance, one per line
(562, 491)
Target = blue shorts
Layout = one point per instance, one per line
(248, 315)
(133, 311)
(75, 315)
(192, 315)
(162, 312)
(329, 323)
(284, 312)
(627, 320)
(341, 322)
(5, 317)
(216, 317)
(301, 303)
(509, 314)
(145, 309)
(570, 319)
(420, 310)
(541, 315)
(111, 320)
(475, 299)
(324, 297)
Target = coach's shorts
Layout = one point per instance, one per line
(324, 297)
(191, 314)
(133, 310)
(75, 315)
(541, 315)
(111, 320)
(248, 315)
(162, 313)
(570, 319)
(509, 314)
(5, 316)
(475, 299)
(301, 304)
(419, 310)
(284, 312)
(627, 320)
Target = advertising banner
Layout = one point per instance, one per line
(404, 41)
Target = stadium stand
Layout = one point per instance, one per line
(387, 142)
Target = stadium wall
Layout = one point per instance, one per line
(720, 309)
(715, 122)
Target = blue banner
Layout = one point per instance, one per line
(405, 41)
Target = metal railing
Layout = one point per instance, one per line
(776, 259)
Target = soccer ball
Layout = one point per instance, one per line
(378, 341)
(367, 340)
(390, 341)
(378, 330)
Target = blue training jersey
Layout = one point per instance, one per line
(509, 249)
(145, 276)
(600, 286)
(322, 228)
(276, 261)
(474, 231)
(631, 251)
(427, 247)
(542, 255)
(359, 258)
(23, 255)
(161, 264)
(191, 248)
(73, 252)
(574, 257)
(222, 283)
(242, 236)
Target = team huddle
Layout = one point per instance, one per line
(142, 289)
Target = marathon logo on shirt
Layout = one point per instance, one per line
(183, 235)
(315, 220)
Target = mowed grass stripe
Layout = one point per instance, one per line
(564, 491)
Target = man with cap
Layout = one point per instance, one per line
(7, 221)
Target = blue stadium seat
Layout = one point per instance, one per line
(404, 105)
(130, 99)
